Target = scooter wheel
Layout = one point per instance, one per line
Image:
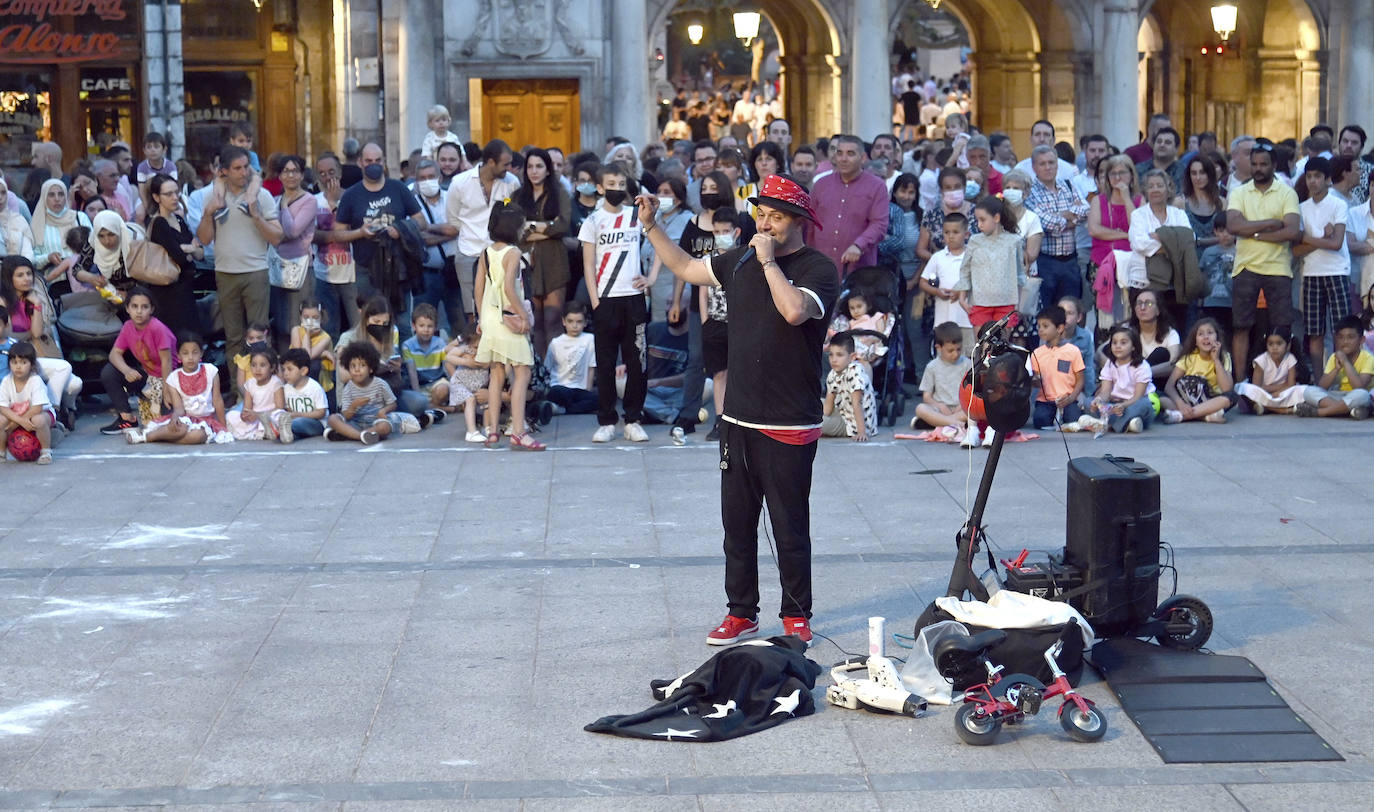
(974, 728)
(1187, 623)
(1082, 726)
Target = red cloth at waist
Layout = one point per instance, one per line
(794, 436)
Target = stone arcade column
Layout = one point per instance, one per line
(870, 92)
(162, 74)
(420, 85)
(631, 107)
(1118, 73)
(1354, 97)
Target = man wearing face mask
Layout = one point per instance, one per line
(441, 280)
(780, 291)
(370, 209)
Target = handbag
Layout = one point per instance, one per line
(149, 263)
(288, 274)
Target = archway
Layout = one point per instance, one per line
(1013, 82)
(1266, 80)
(809, 58)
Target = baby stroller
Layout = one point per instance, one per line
(883, 289)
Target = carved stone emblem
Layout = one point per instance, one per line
(524, 28)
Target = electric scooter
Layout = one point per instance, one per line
(1010, 699)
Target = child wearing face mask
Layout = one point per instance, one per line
(610, 239)
(713, 314)
(310, 336)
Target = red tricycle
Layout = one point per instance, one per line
(1011, 698)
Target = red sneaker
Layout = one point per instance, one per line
(732, 630)
(798, 626)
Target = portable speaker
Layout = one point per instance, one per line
(1113, 536)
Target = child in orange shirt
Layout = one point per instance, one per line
(1057, 369)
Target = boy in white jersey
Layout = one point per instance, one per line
(615, 282)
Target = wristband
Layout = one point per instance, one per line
(650, 227)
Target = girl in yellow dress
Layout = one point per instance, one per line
(504, 326)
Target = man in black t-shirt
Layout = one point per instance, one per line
(780, 293)
(369, 210)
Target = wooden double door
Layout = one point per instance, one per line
(542, 112)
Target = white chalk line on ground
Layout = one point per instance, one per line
(24, 719)
(383, 448)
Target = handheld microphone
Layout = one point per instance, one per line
(744, 258)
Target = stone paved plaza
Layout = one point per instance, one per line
(427, 625)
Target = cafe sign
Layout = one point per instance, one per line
(49, 31)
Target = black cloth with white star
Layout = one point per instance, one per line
(744, 689)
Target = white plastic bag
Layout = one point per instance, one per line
(919, 675)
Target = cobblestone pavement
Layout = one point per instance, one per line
(427, 625)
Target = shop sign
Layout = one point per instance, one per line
(17, 123)
(214, 115)
(30, 37)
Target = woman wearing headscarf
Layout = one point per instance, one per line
(53, 218)
(15, 237)
(104, 262)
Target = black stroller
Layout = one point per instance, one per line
(883, 289)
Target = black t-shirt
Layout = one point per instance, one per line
(911, 107)
(700, 127)
(361, 206)
(700, 243)
(775, 368)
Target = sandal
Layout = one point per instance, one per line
(524, 442)
(493, 440)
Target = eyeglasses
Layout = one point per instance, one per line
(1262, 147)
(1145, 303)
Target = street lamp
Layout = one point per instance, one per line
(746, 26)
(694, 32)
(1224, 20)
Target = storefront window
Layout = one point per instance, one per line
(108, 97)
(218, 19)
(25, 114)
(216, 100)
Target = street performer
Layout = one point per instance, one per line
(780, 292)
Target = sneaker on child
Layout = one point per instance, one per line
(604, 434)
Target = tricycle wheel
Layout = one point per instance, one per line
(1083, 726)
(975, 728)
(1187, 623)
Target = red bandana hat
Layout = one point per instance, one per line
(785, 194)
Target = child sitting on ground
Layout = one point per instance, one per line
(365, 400)
(141, 357)
(1344, 385)
(306, 402)
(939, 404)
(1273, 382)
(197, 414)
(24, 402)
(262, 415)
(571, 361)
(1126, 398)
(467, 379)
(1057, 369)
(310, 336)
(851, 407)
(423, 354)
(1201, 386)
(254, 338)
(1082, 338)
(941, 274)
